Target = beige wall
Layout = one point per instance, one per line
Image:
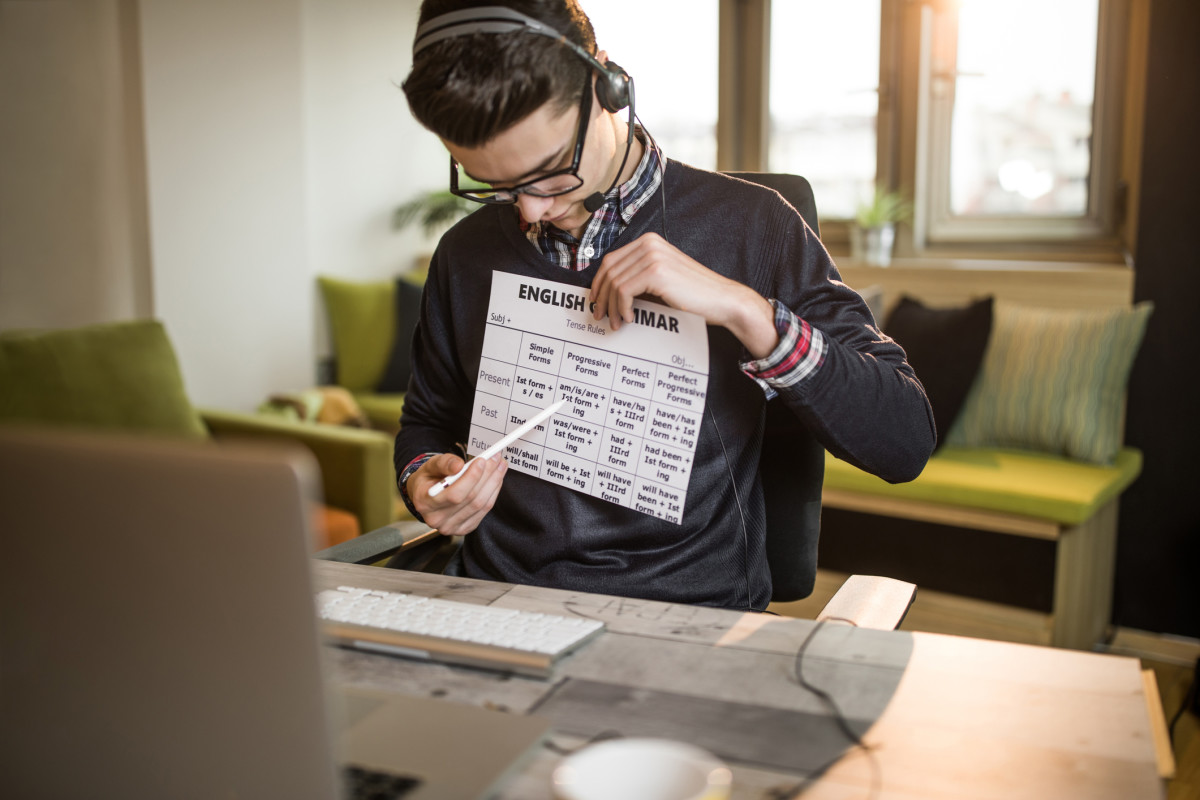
(73, 237)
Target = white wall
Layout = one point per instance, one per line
(224, 119)
(365, 154)
(202, 162)
(278, 143)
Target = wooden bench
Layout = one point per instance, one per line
(1071, 504)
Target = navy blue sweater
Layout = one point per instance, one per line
(864, 404)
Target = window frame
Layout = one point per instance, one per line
(906, 144)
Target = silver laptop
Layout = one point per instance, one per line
(158, 637)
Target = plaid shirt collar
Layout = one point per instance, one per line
(608, 221)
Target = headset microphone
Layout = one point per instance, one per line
(593, 202)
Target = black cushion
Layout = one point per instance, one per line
(408, 310)
(945, 346)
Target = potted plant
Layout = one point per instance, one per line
(435, 210)
(873, 234)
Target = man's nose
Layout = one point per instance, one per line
(533, 208)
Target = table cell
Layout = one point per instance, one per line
(532, 386)
(613, 485)
(525, 457)
(681, 388)
(620, 450)
(658, 500)
(502, 344)
(495, 377)
(627, 414)
(587, 403)
(673, 426)
(589, 365)
(490, 412)
(518, 414)
(635, 377)
(481, 439)
(569, 435)
(670, 466)
(566, 470)
(541, 353)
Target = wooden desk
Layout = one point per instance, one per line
(946, 717)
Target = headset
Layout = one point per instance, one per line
(613, 89)
(614, 86)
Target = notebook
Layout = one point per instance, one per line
(158, 637)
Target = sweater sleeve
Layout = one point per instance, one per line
(437, 406)
(863, 402)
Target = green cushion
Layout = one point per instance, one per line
(1023, 483)
(383, 410)
(120, 376)
(1054, 381)
(362, 322)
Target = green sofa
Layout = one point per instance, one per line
(371, 325)
(125, 376)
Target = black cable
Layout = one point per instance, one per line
(839, 718)
(602, 736)
(662, 188)
(737, 498)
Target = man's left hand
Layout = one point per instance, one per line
(650, 265)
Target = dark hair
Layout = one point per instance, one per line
(468, 89)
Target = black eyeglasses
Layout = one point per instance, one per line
(551, 185)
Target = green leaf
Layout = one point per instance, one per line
(434, 210)
(884, 206)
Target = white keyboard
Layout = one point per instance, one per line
(448, 630)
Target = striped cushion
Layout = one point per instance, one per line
(1053, 381)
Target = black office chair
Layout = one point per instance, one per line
(791, 467)
(792, 464)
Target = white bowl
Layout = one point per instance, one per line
(642, 769)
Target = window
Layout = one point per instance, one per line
(1002, 120)
(1020, 127)
(824, 98)
(1021, 117)
(675, 74)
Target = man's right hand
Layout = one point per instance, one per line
(459, 509)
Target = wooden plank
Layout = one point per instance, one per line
(1083, 581)
(1180, 651)
(870, 601)
(952, 282)
(939, 612)
(952, 729)
(923, 511)
(1164, 756)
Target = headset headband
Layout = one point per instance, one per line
(490, 19)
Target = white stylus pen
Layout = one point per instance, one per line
(499, 446)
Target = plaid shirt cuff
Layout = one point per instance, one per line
(405, 474)
(799, 354)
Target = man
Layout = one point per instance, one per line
(525, 104)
